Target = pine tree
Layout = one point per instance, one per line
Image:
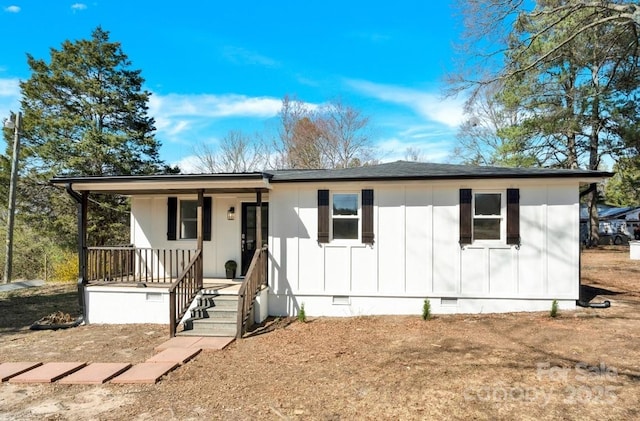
(85, 113)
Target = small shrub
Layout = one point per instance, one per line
(554, 309)
(65, 269)
(426, 309)
(302, 316)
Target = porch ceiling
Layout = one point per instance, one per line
(169, 184)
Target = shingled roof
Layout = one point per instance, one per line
(399, 170)
(405, 170)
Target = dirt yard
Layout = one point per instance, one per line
(582, 364)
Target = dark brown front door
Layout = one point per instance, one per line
(249, 230)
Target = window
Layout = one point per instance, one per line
(182, 219)
(188, 219)
(345, 216)
(487, 216)
(339, 216)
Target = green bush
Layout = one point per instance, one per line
(426, 309)
(554, 309)
(29, 250)
(302, 316)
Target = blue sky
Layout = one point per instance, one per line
(216, 66)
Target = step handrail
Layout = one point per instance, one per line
(184, 290)
(254, 280)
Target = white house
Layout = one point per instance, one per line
(357, 241)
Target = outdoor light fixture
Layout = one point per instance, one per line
(231, 213)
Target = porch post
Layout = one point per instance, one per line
(200, 235)
(82, 202)
(258, 219)
(200, 219)
(261, 271)
(82, 236)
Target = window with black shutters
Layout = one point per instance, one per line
(345, 216)
(490, 216)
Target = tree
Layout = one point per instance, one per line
(85, 113)
(567, 67)
(330, 136)
(623, 189)
(488, 28)
(236, 153)
(306, 137)
(481, 138)
(344, 140)
(413, 154)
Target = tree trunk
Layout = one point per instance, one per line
(594, 223)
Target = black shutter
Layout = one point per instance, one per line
(513, 216)
(367, 216)
(206, 217)
(466, 225)
(323, 216)
(172, 218)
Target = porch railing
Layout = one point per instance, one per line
(132, 264)
(255, 278)
(184, 290)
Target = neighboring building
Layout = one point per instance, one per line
(363, 241)
(612, 220)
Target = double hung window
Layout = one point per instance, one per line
(345, 216)
(492, 216)
(188, 219)
(488, 216)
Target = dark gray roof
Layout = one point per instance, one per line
(399, 170)
(405, 170)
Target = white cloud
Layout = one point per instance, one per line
(239, 55)
(213, 106)
(12, 9)
(189, 119)
(78, 6)
(393, 149)
(9, 88)
(188, 164)
(428, 105)
(373, 37)
(9, 97)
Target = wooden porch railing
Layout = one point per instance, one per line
(184, 290)
(131, 264)
(255, 278)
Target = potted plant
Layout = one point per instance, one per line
(230, 268)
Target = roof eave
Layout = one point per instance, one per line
(130, 185)
(583, 178)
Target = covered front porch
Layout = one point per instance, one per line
(148, 282)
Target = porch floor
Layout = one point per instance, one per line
(220, 286)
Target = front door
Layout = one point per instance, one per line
(249, 229)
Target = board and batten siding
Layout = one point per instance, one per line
(149, 229)
(416, 252)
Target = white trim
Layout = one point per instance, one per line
(181, 219)
(358, 216)
(165, 186)
(502, 217)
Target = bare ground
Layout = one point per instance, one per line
(583, 364)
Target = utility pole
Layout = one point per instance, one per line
(15, 125)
